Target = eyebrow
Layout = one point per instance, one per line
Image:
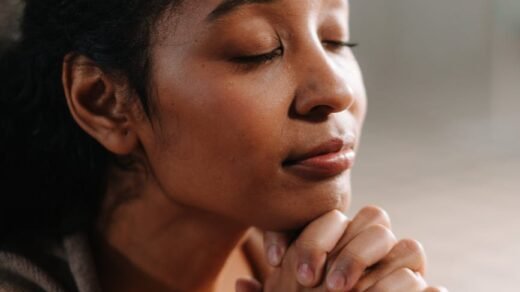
(229, 5)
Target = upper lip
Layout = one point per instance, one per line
(331, 146)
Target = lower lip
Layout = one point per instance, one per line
(323, 166)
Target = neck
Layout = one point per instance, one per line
(149, 243)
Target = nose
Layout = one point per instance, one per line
(323, 86)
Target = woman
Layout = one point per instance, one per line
(143, 140)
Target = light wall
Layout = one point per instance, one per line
(440, 149)
(425, 61)
(505, 86)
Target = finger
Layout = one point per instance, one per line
(275, 245)
(308, 253)
(366, 217)
(399, 281)
(248, 285)
(366, 249)
(407, 253)
(435, 289)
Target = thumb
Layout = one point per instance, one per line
(248, 285)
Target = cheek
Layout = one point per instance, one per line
(244, 124)
(219, 142)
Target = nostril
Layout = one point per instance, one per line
(320, 113)
(323, 110)
(321, 102)
(316, 114)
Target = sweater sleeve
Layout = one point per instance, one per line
(12, 282)
(29, 263)
(18, 274)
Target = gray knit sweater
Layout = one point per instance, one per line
(40, 265)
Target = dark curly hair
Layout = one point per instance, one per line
(52, 173)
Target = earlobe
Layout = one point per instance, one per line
(98, 105)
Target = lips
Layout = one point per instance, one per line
(324, 161)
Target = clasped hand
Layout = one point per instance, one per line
(334, 253)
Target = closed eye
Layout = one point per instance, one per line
(249, 62)
(260, 58)
(336, 45)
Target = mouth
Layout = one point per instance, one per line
(327, 160)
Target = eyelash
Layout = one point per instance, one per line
(341, 44)
(257, 60)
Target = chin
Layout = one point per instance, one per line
(307, 206)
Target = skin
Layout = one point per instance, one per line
(211, 152)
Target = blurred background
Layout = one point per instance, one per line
(441, 144)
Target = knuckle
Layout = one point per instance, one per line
(383, 233)
(356, 260)
(403, 275)
(412, 246)
(388, 284)
(436, 289)
(309, 248)
(376, 214)
(381, 288)
(407, 273)
(338, 215)
(414, 251)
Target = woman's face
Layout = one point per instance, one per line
(243, 92)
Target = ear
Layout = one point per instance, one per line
(99, 104)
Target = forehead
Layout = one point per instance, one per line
(208, 11)
(195, 15)
(227, 6)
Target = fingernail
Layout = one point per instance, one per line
(336, 280)
(305, 274)
(274, 255)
